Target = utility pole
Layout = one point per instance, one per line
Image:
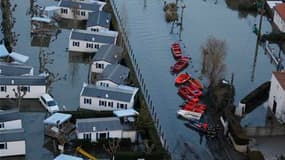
(260, 8)
(181, 21)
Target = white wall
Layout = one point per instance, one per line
(14, 148)
(279, 21)
(95, 104)
(71, 15)
(112, 134)
(98, 70)
(100, 28)
(276, 92)
(130, 134)
(104, 82)
(14, 124)
(35, 92)
(82, 46)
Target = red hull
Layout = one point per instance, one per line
(184, 93)
(196, 83)
(182, 78)
(176, 50)
(190, 105)
(180, 65)
(194, 91)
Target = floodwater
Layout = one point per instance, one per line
(150, 38)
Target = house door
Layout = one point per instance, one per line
(274, 106)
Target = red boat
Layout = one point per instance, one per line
(194, 91)
(184, 93)
(190, 105)
(182, 78)
(196, 83)
(180, 65)
(193, 109)
(176, 50)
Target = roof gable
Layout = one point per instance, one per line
(83, 6)
(280, 8)
(101, 37)
(109, 53)
(99, 18)
(280, 77)
(116, 73)
(98, 124)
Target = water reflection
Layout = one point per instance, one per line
(79, 57)
(70, 24)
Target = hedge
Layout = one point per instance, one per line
(255, 155)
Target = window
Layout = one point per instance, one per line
(98, 65)
(3, 145)
(82, 13)
(3, 89)
(122, 106)
(87, 101)
(89, 45)
(2, 125)
(63, 11)
(94, 29)
(74, 43)
(126, 106)
(97, 46)
(25, 88)
(87, 136)
(118, 105)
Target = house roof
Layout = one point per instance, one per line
(280, 8)
(113, 93)
(19, 57)
(84, 6)
(116, 73)
(99, 124)
(110, 53)
(57, 118)
(280, 76)
(101, 37)
(3, 51)
(99, 18)
(14, 69)
(12, 135)
(22, 80)
(9, 115)
(125, 113)
(67, 157)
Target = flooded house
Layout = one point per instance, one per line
(90, 42)
(15, 69)
(30, 86)
(99, 21)
(94, 129)
(276, 99)
(113, 76)
(279, 16)
(59, 127)
(106, 55)
(100, 98)
(78, 10)
(12, 141)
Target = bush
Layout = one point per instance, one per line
(238, 134)
(255, 155)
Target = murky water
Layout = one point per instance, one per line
(150, 39)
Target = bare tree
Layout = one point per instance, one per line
(213, 55)
(20, 92)
(112, 147)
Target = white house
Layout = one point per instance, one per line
(88, 41)
(100, 98)
(34, 86)
(279, 16)
(94, 129)
(99, 21)
(69, 9)
(276, 99)
(15, 69)
(10, 120)
(106, 55)
(12, 143)
(113, 76)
